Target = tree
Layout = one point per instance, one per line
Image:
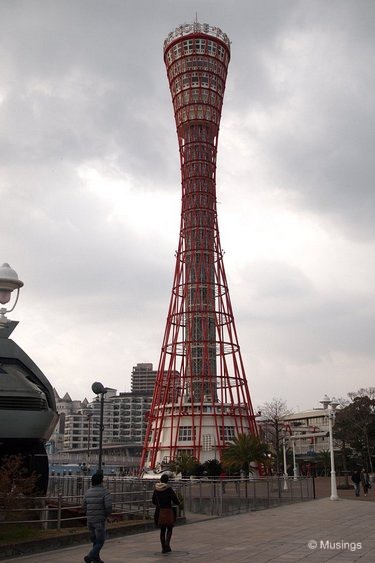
(363, 392)
(212, 467)
(272, 426)
(14, 480)
(16, 486)
(324, 458)
(244, 450)
(355, 425)
(185, 464)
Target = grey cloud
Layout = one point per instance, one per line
(283, 318)
(84, 85)
(322, 148)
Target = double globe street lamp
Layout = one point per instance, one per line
(330, 405)
(9, 282)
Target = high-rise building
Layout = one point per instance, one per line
(124, 416)
(201, 398)
(143, 379)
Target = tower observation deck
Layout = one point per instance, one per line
(201, 398)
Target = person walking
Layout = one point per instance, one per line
(223, 476)
(365, 480)
(165, 517)
(97, 504)
(356, 478)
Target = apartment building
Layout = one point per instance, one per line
(124, 415)
(309, 431)
(65, 407)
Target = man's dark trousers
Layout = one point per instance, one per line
(97, 536)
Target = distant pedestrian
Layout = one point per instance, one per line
(223, 476)
(165, 517)
(356, 478)
(365, 480)
(97, 504)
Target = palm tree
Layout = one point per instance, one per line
(185, 464)
(242, 451)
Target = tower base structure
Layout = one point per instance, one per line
(211, 444)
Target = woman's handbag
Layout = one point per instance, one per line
(166, 517)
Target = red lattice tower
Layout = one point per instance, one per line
(201, 398)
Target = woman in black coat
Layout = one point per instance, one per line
(163, 497)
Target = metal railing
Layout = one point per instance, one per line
(227, 496)
(132, 499)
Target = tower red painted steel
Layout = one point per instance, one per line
(201, 398)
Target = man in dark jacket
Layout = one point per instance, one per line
(97, 504)
(356, 478)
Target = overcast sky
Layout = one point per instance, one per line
(90, 187)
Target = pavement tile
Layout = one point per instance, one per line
(277, 534)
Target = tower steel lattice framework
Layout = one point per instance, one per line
(201, 398)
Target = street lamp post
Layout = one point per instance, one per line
(330, 406)
(99, 389)
(285, 468)
(294, 460)
(89, 414)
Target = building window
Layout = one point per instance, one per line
(200, 63)
(185, 434)
(228, 433)
(220, 52)
(204, 80)
(188, 46)
(177, 51)
(211, 48)
(194, 79)
(200, 45)
(188, 451)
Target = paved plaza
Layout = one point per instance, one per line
(320, 530)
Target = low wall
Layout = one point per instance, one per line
(71, 538)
